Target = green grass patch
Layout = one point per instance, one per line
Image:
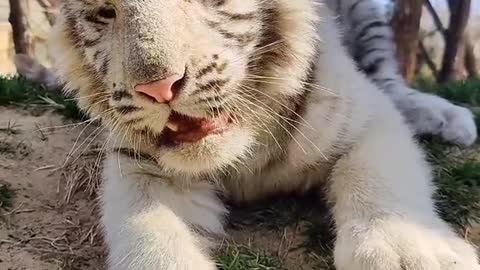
(458, 194)
(11, 128)
(324, 260)
(7, 148)
(274, 213)
(465, 93)
(17, 90)
(15, 150)
(458, 183)
(6, 196)
(238, 257)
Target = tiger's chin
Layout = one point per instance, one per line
(209, 154)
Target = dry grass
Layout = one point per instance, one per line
(275, 234)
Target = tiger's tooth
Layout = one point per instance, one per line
(172, 126)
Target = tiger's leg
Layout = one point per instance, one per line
(150, 226)
(385, 217)
(369, 38)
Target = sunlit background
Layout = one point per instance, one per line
(39, 26)
(50, 157)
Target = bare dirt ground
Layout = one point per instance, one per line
(52, 222)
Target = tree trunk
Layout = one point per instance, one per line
(406, 24)
(21, 38)
(459, 71)
(459, 13)
(49, 7)
(470, 59)
(436, 18)
(428, 60)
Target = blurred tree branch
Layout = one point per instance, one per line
(428, 60)
(17, 20)
(470, 59)
(49, 7)
(406, 25)
(436, 18)
(459, 13)
(465, 48)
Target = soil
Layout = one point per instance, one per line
(52, 221)
(51, 166)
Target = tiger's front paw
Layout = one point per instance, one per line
(429, 114)
(397, 245)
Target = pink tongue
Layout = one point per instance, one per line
(189, 129)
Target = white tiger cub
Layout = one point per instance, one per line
(369, 39)
(244, 98)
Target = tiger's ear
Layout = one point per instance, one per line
(36, 72)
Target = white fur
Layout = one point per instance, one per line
(426, 114)
(146, 220)
(159, 212)
(380, 186)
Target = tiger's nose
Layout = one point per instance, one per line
(162, 91)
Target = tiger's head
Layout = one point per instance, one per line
(193, 83)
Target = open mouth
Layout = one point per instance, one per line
(185, 129)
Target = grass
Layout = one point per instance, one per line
(458, 196)
(6, 196)
(456, 174)
(457, 178)
(19, 91)
(273, 214)
(10, 128)
(466, 93)
(18, 150)
(457, 171)
(7, 148)
(238, 257)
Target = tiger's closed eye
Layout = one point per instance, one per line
(107, 13)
